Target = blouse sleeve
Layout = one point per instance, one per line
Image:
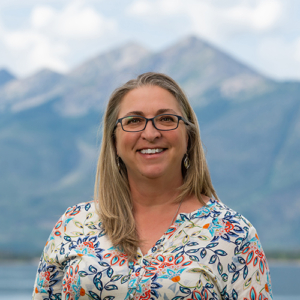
(249, 274)
(48, 282)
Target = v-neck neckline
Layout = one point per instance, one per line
(209, 203)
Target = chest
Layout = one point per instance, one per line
(150, 233)
(96, 270)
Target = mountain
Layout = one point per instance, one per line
(201, 68)
(88, 86)
(49, 139)
(5, 76)
(29, 92)
(204, 71)
(82, 90)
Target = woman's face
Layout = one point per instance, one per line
(150, 101)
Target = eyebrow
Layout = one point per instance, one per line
(159, 112)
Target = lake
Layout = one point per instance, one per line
(16, 280)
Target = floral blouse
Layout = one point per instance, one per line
(212, 253)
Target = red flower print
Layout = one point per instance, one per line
(172, 230)
(176, 279)
(161, 263)
(256, 257)
(45, 275)
(267, 287)
(206, 226)
(82, 292)
(228, 227)
(88, 244)
(253, 295)
(146, 295)
(116, 257)
(70, 281)
(72, 211)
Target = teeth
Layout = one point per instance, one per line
(148, 151)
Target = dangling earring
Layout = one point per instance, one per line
(186, 161)
(118, 162)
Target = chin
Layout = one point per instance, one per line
(152, 174)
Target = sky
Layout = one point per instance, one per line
(62, 34)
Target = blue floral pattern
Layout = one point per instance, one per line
(213, 253)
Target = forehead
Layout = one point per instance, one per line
(148, 100)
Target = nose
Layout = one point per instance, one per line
(150, 133)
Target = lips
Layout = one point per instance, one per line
(151, 151)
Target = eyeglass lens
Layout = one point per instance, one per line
(162, 122)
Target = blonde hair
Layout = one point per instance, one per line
(112, 192)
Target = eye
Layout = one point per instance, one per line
(167, 118)
(132, 121)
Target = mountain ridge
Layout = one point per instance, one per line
(6, 76)
(49, 147)
(86, 85)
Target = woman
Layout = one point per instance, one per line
(156, 229)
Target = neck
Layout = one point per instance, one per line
(153, 194)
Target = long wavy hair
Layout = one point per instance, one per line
(112, 192)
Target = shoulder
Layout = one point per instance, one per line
(221, 210)
(219, 222)
(76, 217)
(215, 209)
(80, 210)
(76, 209)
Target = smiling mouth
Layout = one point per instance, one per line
(152, 151)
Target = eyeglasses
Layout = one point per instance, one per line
(162, 122)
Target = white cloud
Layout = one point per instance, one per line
(42, 16)
(75, 21)
(85, 23)
(60, 34)
(146, 8)
(48, 55)
(261, 17)
(36, 50)
(258, 32)
(52, 34)
(140, 8)
(211, 19)
(280, 57)
(297, 50)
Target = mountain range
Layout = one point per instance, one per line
(50, 136)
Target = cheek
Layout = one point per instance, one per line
(124, 143)
(186, 141)
(183, 140)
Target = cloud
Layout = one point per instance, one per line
(213, 19)
(280, 57)
(297, 51)
(141, 8)
(261, 33)
(34, 51)
(52, 34)
(42, 16)
(260, 17)
(60, 34)
(75, 21)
